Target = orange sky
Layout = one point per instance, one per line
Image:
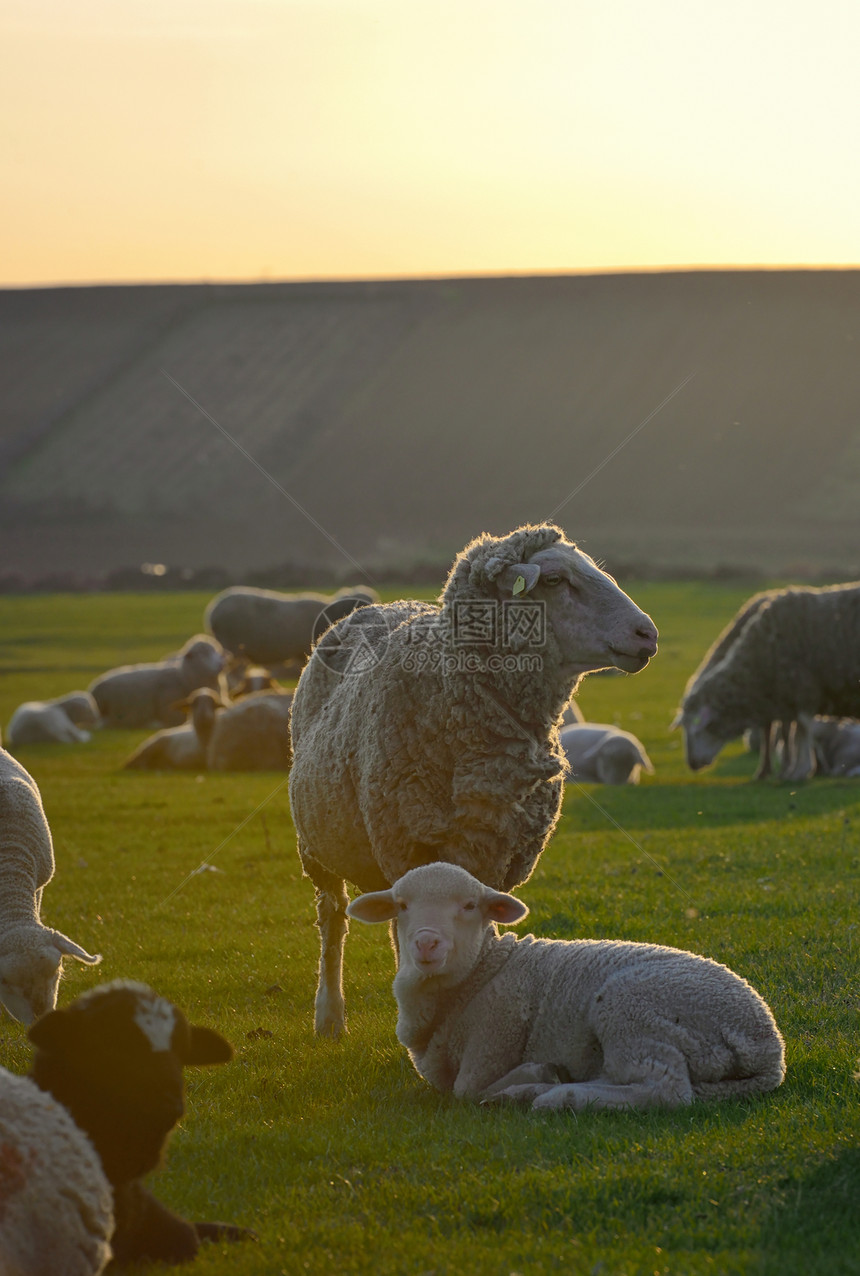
(240, 139)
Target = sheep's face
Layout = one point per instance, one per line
(595, 624)
(29, 980)
(115, 1059)
(705, 733)
(442, 915)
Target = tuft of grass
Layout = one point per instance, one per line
(339, 1156)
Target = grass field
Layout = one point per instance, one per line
(339, 1156)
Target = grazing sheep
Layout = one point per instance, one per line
(796, 655)
(253, 734)
(602, 754)
(271, 628)
(180, 748)
(31, 954)
(114, 1060)
(147, 694)
(563, 1023)
(62, 720)
(423, 732)
(56, 1205)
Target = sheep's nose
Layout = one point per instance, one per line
(647, 631)
(426, 945)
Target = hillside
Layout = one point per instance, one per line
(404, 417)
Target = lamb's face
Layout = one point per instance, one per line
(596, 625)
(442, 915)
(115, 1059)
(29, 981)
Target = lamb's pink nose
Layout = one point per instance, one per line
(427, 945)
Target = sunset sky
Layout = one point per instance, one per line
(242, 139)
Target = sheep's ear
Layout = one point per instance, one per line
(677, 720)
(377, 906)
(207, 1046)
(68, 948)
(518, 579)
(50, 1030)
(504, 909)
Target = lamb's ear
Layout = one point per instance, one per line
(377, 906)
(69, 948)
(677, 720)
(518, 579)
(207, 1046)
(50, 1031)
(504, 909)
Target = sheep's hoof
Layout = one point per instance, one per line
(518, 1095)
(332, 1029)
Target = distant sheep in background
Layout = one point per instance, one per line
(599, 753)
(271, 628)
(114, 1060)
(147, 694)
(242, 678)
(252, 734)
(563, 1023)
(837, 746)
(403, 756)
(63, 720)
(180, 748)
(30, 954)
(795, 654)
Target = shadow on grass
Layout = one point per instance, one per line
(816, 1226)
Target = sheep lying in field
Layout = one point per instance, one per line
(180, 748)
(424, 732)
(113, 1060)
(557, 1023)
(63, 720)
(599, 753)
(252, 734)
(56, 1205)
(147, 694)
(271, 628)
(31, 954)
(794, 653)
(837, 746)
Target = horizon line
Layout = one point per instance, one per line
(437, 277)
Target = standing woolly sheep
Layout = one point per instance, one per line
(563, 1023)
(796, 655)
(63, 720)
(56, 1205)
(253, 734)
(114, 1060)
(599, 753)
(271, 628)
(31, 954)
(180, 748)
(423, 732)
(147, 694)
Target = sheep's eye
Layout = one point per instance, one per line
(552, 579)
(402, 905)
(469, 908)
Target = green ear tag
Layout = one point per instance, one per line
(519, 585)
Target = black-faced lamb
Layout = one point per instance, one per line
(796, 655)
(599, 753)
(180, 748)
(31, 954)
(271, 628)
(563, 1023)
(114, 1060)
(423, 733)
(147, 695)
(65, 720)
(56, 1204)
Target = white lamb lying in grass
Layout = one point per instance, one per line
(63, 720)
(602, 754)
(563, 1024)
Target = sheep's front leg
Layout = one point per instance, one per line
(522, 1084)
(642, 1072)
(329, 1018)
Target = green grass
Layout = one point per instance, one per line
(340, 1157)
